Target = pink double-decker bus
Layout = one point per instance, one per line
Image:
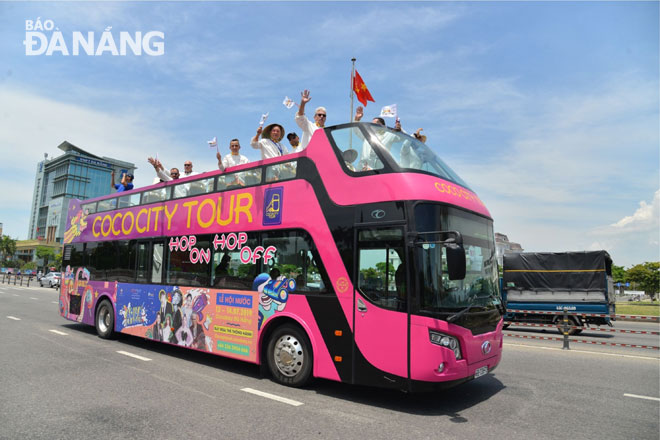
(362, 259)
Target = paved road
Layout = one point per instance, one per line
(59, 380)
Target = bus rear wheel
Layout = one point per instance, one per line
(105, 320)
(289, 356)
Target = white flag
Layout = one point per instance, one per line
(389, 111)
(288, 102)
(263, 119)
(213, 142)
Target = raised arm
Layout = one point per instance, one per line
(304, 99)
(359, 112)
(254, 143)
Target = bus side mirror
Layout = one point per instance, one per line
(455, 262)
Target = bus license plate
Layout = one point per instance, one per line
(481, 371)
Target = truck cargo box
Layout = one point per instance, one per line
(559, 277)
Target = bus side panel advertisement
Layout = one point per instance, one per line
(79, 294)
(225, 322)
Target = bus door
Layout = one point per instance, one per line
(381, 319)
(149, 261)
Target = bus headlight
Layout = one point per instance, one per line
(446, 341)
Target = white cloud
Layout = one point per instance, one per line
(574, 162)
(37, 125)
(646, 218)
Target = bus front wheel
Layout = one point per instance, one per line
(289, 356)
(105, 320)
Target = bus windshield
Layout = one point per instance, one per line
(358, 145)
(479, 289)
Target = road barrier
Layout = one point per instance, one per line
(580, 327)
(565, 327)
(584, 341)
(559, 312)
(6, 278)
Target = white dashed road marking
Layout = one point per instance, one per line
(57, 332)
(637, 396)
(272, 396)
(14, 318)
(125, 353)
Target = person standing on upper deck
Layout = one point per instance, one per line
(126, 183)
(269, 144)
(387, 138)
(232, 159)
(294, 140)
(308, 127)
(187, 170)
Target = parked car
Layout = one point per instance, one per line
(51, 279)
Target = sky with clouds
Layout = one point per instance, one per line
(549, 110)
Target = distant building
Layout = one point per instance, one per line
(0, 229)
(75, 174)
(504, 246)
(26, 250)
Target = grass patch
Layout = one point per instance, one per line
(638, 308)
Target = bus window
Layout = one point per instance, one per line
(142, 272)
(107, 205)
(239, 179)
(190, 267)
(89, 208)
(74, 254)
(124, 270)
(229, 272)
(157, 263)
(128, 201)
(296, 258)
(382, 275)
(355, 149)
(99, 258)
(281, 171)
(193, 188)
(155, 195)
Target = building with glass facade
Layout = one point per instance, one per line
(74, 174)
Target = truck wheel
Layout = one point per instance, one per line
(289, 356)
(105, 320)
(572, 321)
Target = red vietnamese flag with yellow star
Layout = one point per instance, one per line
(360, 89)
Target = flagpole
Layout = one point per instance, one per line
(352, 92)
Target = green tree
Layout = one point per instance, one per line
(29, 265)
(647, 277)
(11, 263)
(7, 247)
(619, 274)
(45, 253)
(381, 268)
(371, 273)
(58, 261)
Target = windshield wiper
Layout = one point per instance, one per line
(457, 315)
